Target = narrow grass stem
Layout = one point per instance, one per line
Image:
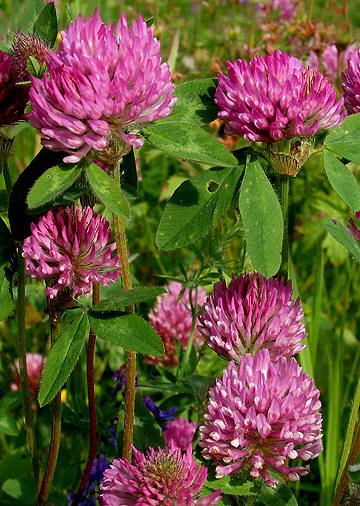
(130, 371)
(92, 405)
(284, 198)
(351, 460)
(55, 421)
(24, 382)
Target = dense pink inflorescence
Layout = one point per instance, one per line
(103, 81)
(351, 83)
(331, 61)
(70, 247)
(180, 433)
(354, 227)
(158, 478)
(172, 320)
(34, 365)
(261, 415)
(275, 98)
(251, 314)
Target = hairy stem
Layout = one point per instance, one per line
(55, 420)
(284, 190)
(24, 382)
(130, 371)
(92, 405)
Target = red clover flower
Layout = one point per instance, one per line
(34, 366)
(351, 83)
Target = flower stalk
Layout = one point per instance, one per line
(24, 381)
(130, 371)
(92, 405)
(55, 418)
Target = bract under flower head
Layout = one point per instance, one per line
(158, 478)
(171, 317)
(274, 98)
(34, 365)
(251, 314)
(351, 83)
(70, 248)
(261, 415)
(104, 82)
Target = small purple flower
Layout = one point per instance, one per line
(261, 416)
(70, 247)
(160, 477)
(104, 82)
(98, 469)
(354, 226)
(162, 417)
(274, 98)
(351, 83)
(180, 433)
(251, 314)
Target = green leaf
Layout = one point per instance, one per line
(195, 102)
(19, 217)
(262, 219)
(6, 243)
(126, 298)
(342, 234)
(129, 331)
(344, 140)
(7, 302)
(46, 25)
(186, 140)
(105, 189)
(22, 490)
(197, 206)
(74, 328)
(232, 485)
(342, 181)
(8, 425)
(52, 183)
(281, 496)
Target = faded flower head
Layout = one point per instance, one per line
(69, 247)
(180, 433)
(262, 415)
(274, 98)
(34, 365)
(171, 318)
(354, 226)
(13, 97)
(158, 478)
(251, 314)
(103, 83)
(351, 83)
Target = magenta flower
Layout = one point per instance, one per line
(34, 364)
(354, 227)
(69, 247)
(351, 83)
(160, 477)
(104, 82)
(172, 320)
(275, 98)
(180, 433)
(251, 314)
(261, 415)
(13, 97)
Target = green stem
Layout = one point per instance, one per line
(284, 191)
(55, 422)
(130, 370)
(24, 382)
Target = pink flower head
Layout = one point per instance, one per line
(13, 97)
(251, 314)
(104, 81)
(172, 320)
(159, 478)
(287, 9)
(70, 248)
(275, 98)
(261, 415)
(351, 83)
(34, 364)
(180, 432)
(354, 227)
